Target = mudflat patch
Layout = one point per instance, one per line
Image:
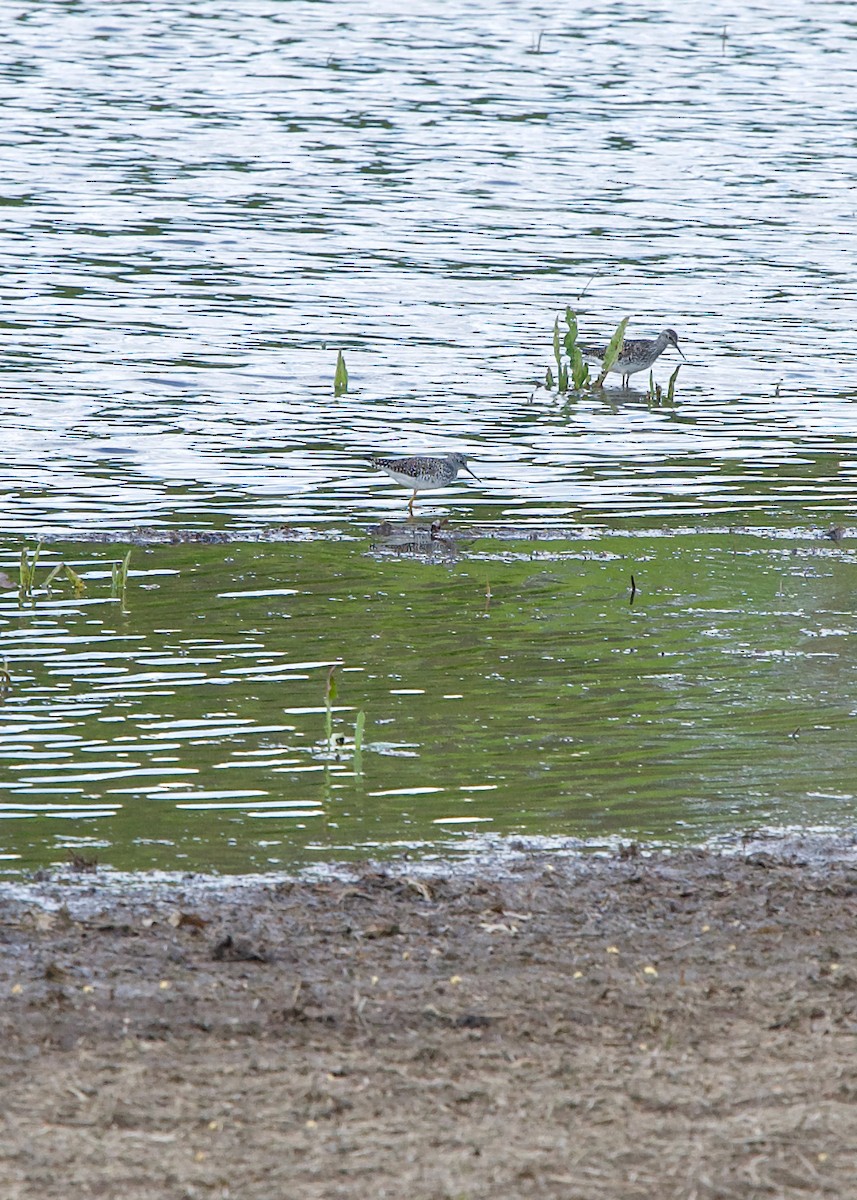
(666, 1025)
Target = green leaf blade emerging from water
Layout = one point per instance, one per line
(340, 377)
(579, 369)
(614, 349)
(671, 385)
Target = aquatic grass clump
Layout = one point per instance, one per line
(571, 369)
(572, 373)
(657, 395)
(27, 576)
(28, 591)
(340, 376)
(119, 576)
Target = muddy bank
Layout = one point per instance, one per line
(423, 533)
(643, 1026)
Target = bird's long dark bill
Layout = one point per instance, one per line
(476, 477)
(681, 352)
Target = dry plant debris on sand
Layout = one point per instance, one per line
(644, 1026)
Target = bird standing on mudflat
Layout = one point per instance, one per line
(421, 472)
(639, 354)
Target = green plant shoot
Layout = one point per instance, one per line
(671, 385)
(571, 336)
(614, 349)
(28, 572)
(579, 369)
(75, 580)
(329, 697)
(340, 377)
(119, 576)
(24, 587)
(72, 576)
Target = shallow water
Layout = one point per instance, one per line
(202, 206)
(511, 689)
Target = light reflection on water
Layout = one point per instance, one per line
(202, 206)
(724, 695)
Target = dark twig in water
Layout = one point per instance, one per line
(633, 589)
(591, 278)
(329, 698)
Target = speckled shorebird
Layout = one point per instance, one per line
(421, 472)
(639, 354)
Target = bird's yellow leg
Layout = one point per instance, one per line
(411, 504)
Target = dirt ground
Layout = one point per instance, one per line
(658, 1026)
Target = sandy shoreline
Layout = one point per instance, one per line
(664, 1025)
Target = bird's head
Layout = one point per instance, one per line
(460, 461)
(672, 338)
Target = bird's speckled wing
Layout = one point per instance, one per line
(631, 348)
(416, 466)
(634, 348)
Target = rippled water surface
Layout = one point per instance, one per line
(203, 204)
(503, 689)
